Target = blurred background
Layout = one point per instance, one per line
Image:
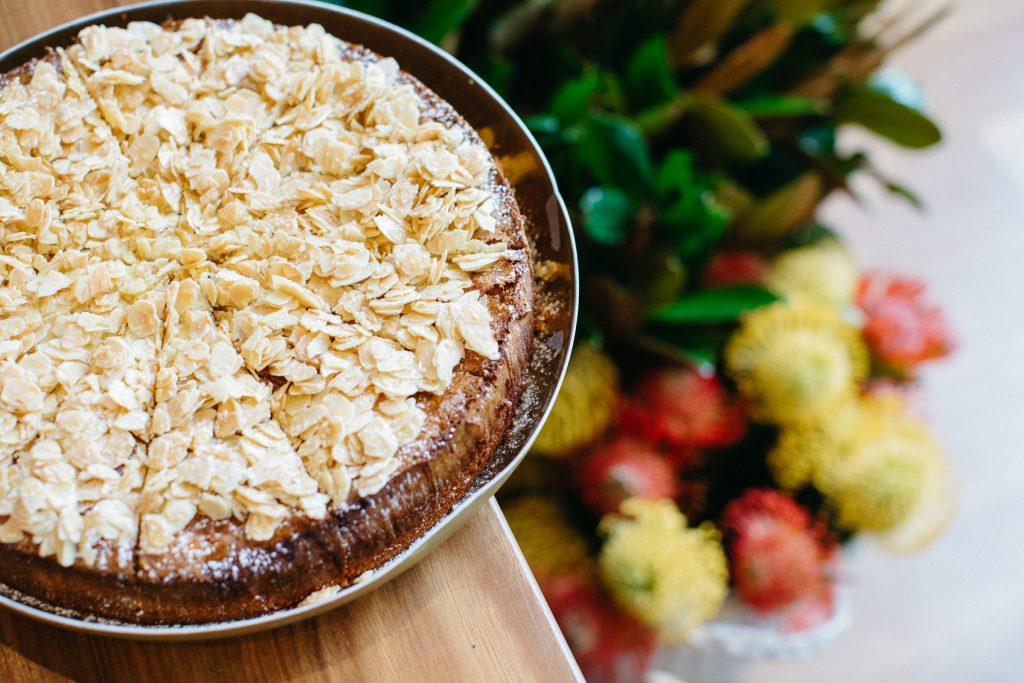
(953, 612)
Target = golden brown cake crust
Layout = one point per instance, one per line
(212, 572)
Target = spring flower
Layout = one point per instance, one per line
(549, 544)
(729, 268)
(625, 468)
(879, 470)
(795, 361)
(889, 470)
(777, 556)
(683, 409)
(823, 273)
(663, 573)
(609, 645)
(929, 517)
(808, 448)
(585, 405)
(901, 329)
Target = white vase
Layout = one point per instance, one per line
(721, 649)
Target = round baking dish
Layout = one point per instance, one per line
(548, 226)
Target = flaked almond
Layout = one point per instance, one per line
(142, 318)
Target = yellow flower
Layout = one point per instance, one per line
(661, 572)
(879, 470)
(549, 544)
(928, 519)
(808, 448)
(585, 405)
(795, 362)
(823, 273)
(890, 464)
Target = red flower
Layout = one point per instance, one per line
(777, 558)
(729, 268)
(685, 410)
(901, 329)
(609, 646)
(625, 468)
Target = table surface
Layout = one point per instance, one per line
(469, 612)
(955, 612)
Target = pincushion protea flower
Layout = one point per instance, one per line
(795, 361)
(879, 470)
(681, 408)
(901, 329)
(807, 449)
(777, 556)
(609, 645)
(625, 468)
(669, 576)
(890, 468)
(823, 273)
(585, 406)
(549, 544)
(737, 267)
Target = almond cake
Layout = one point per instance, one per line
(265, 310)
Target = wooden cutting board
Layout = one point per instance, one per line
(469, 612)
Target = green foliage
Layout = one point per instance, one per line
(677, 128)
(879, 112)
(723, 304)
(607, 215)
(733, 130)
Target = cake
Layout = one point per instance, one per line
(265, 312)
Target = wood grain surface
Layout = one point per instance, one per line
(469, 612)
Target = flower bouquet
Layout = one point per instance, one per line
(655, 490)
(736, 409)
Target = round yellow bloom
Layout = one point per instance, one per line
(665, 574)
(795, 361)
(585, 405)
(823, 273)
(808, 448)
(927, 520)
(549, 544)
(889, 464)
(879, 470)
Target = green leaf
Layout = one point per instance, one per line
(770, 106)
(800, 11)
(438, 18)
(649, 78)
(676, 173)
(721, 305)
(660, 277)
(896, 187)
(879, 112)
(571, 101)
(542, 124)
(732, 130)
(614, 151)
(901, 190)
(771, 219)
(607, 215)
(701, 23)
(690, 219)
(695, 223)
